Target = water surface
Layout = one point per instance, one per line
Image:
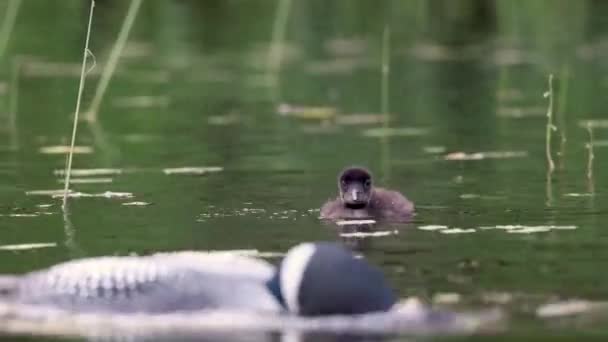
(195, 88)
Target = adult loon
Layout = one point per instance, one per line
(313, 279)
(359, 199)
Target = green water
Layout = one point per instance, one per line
(195, 88)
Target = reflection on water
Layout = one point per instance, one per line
(409, 318)
(203, 144)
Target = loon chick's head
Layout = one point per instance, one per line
(355, 187)
(326, 279)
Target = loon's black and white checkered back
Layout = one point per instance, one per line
(157, 283)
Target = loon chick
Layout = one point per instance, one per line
(313, 279)
(359, 199)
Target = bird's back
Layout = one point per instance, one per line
(158, 283)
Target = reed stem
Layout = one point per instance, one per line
(13, 103)
(83, 73)
(550, 126)
(590, 153)
(275, 52)
(562, 105)
(10, 17)
(386, 68)
(384, 98)
(110, 67)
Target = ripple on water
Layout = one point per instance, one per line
(143, 101)
(307, 112)
(354, 222)
(137, 204)
(288, 214)
(370, 234)
(95, 180)
(21, 215)
(89, 172)
(593, 123)
(396, 132)
(192, 170)
(525, 229)
(569, 308)
(482, 197)
(360, 119)
(598, 143)
(434, 149)
(576, 194)
(447, 298)
(485, 155)
(106, 194)
(458, 231)
(60, 192)
(520, 112)
(513, 228)
(432, 227)
(27, 246)
(408, 317)
(61, 149)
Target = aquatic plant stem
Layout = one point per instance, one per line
(13, 103)
(384, 98)
(590, 154)
(275, 52)
(386, 68)
(10, 17)
(549, 188)
(110, 67)
(550, 127)
(77, 110)
(561, 114)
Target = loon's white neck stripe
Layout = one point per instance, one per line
(292, 271)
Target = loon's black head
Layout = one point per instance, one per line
(327, 279)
